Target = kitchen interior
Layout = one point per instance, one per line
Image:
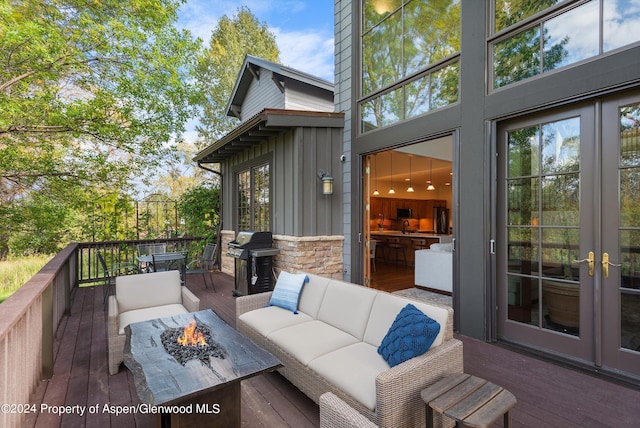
(410, 200)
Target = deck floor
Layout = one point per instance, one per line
(549, 395)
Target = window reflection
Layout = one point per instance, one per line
(406, 40)
(564, 39)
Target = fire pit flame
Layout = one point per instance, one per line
(191, 337)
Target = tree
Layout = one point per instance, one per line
(200, 209)
(91, 93)
(218, 67)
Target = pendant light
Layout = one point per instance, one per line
(410, 189)
(430, 184)
(391, 191)
(375, 161)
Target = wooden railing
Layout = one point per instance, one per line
(29, 318)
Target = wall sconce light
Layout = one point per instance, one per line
(327, 182)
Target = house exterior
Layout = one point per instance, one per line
(541, 109)
(288, 134)
(543, 116)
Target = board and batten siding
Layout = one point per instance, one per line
(298, 206)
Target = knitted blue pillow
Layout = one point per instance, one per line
(286, 293)
(411, 334)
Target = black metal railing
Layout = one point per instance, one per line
(118, 253)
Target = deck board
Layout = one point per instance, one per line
(549, 395)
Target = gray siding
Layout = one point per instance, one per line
(344, 66)
(300, 96)
(261, 94)
(298, 206)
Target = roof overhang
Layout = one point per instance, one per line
(263, 126)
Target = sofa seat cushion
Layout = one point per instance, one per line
(146, 314)
(310, 340)
(272, 318)
(353, 369)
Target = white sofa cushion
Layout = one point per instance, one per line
(312, 295)
(385, 309)
(148, 290)
(310, 340)
(347, 306)
(145, 314)
(272, 318)
(353, 369)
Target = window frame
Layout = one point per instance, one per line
(251, 167)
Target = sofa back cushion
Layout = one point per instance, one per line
(147, 290)
(312, 295)
(347, 306)
(385, 309)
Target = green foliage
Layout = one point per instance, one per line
(16, 271)
(91, 93)
(218, 67)
(200, 209)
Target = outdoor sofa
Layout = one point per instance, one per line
(144, 297)
(330, 345)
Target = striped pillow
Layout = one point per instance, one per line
(286, 293)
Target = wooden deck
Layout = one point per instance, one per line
(548, 394)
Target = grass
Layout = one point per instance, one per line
(15, 271)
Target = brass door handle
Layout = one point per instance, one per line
(590, 260)
(606, 263)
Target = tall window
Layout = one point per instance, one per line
(254, 190)
(409, 59)
(550, 34)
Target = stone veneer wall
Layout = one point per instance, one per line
(321, 255)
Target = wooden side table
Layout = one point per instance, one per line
(469, 400)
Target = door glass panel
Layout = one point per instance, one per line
(630, 319)
(560, 247)
(561, 307)
(543, 229)
(523, 201)
(629, 227)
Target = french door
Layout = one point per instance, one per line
(568, 235)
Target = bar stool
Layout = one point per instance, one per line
(418, 244)
(393, 244)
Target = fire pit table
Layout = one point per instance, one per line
(188, 368)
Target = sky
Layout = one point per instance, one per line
(303, 28)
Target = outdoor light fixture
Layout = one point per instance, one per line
(327, 182)
(410, 189)
(375, 161)
(430, 184)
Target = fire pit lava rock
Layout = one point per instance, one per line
(191, 343)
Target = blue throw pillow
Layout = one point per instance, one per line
(286, 293)
(411, 334)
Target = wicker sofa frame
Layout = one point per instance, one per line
(398, 401)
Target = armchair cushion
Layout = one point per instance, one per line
(411, 334)
(148, 290)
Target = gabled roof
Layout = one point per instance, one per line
(251, 70)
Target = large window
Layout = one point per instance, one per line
(550, 34)
(254, 198)
(409, 59)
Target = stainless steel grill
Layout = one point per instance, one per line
(252, 254)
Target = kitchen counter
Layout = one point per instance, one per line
(441, 238)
